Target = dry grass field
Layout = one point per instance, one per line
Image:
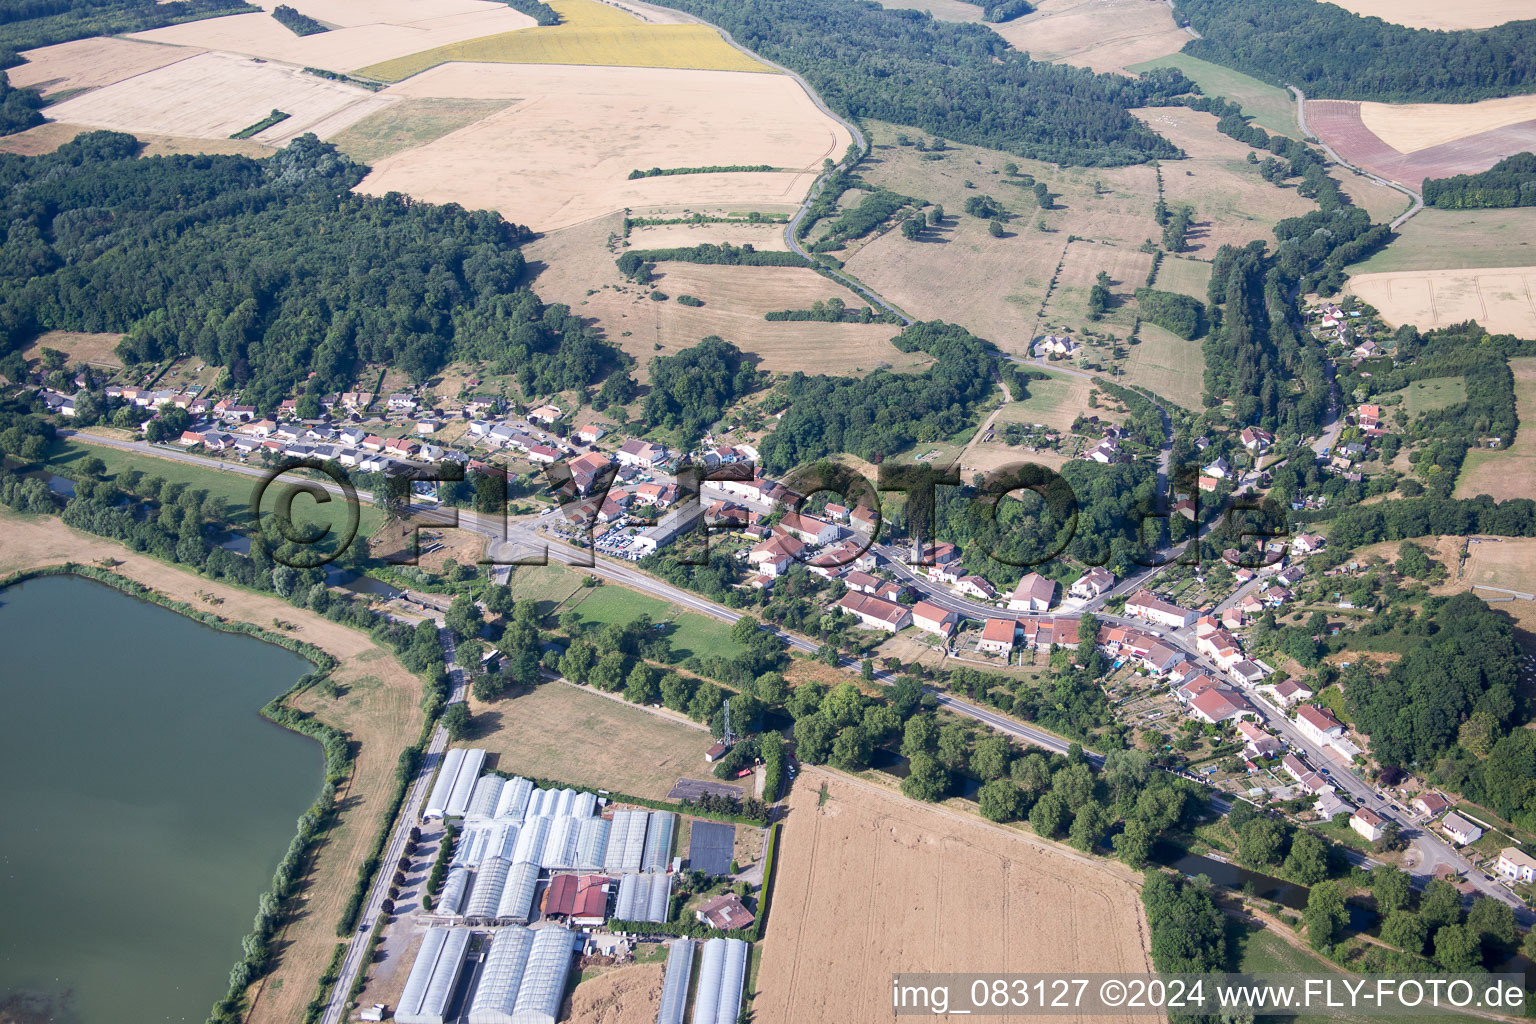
(870, 883)
(1506, 562)
(1233, 205)
(1055, 402)
(1510, 473)
(1381, 202)
(365, 33)
(576, 267)
(1459, 240)
(763, 236)
(213, 95)
(563, 153)
(1270, 106)
(589, 33)
(96, 349)
(377, 708)
(1104, 35)
(1168, 365)
(1186, 277)
(1068, 305)
(635, 751)
(1432, 14)
(1408, 127)
(628, 995)
(411, 122)
(46, 138)
(1502, 300)
(92, 63)
(942, 10)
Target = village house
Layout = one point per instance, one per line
(1459, 829)
(1258, 742)
(997, 636)
(934, 619)
(1430, 804)
(545, 414)
(976, 586)
(1092, 583)
(874, 612)
(808, 528)
(774, 555)
(1033, 594)
(1318, 724)
(591, 433)
(1219, 468)
(1256, 440)
(1367, 823)
(1517, 864)
(1147, 605)
(644, 454)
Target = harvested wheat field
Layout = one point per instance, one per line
(628, 995)
(1409, 127)
(563, 154)
(1104, 35)
(575, 262)
(1510, 473)
(92, 63)
(1434, 14)
(1508, 563)
(763, 235)
(365, 32)
(1445, 151)
(214, 95)
(589, 33)
(378, 708)
(870, 883)
(45, 138)
(1502, 300)
(1233, 205)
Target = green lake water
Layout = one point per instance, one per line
(145, 803)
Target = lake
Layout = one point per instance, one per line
(146, 802)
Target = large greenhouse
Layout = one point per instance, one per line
(643, 897)
(674, 989)
(523, 981)
(722, 972)
(433, 977)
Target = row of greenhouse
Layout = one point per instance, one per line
(523, 974)
(634, 840)
(522, 979)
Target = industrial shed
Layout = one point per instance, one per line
(448, 772)
(433, 977)
(722, 971)
(658, 841)
(674, 989)
(643, 897)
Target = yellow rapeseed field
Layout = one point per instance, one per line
(589, 33)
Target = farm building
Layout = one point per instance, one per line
(875, 612)
(433, 977)
(643, 897)
(524, 977)
(455, 783)
(722, 971)
(580, 899)
(674, 989)
(437, 800)
(725, 912)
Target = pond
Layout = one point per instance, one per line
(146, 802)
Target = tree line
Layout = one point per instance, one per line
(274, 269)
(297, 22)
(661, 172)
(539, 11)
(834, 311)
(958, 81)
(1328, 51)
(20, 109)
(1510, 182)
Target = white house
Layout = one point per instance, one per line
(809, 528)
(934, 619)
(1460, 829)
(1147, 605)
(875, 612)
(1318, 724)
(1517, 864)
(1219, 468)
(1368, 823)
(1033, 594)
(635, 452)
(1092, 583)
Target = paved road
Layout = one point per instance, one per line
(410, 813)
(1301, 119)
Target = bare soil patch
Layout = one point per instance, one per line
(367, 33)
(563, 153)
(92, 63)
(577, 267)
(629, 995)
(1104, 35)
(1341, 124)
(214, 95)
(1410, 127)
(1432, 14)
(377, 707)
(870, 883)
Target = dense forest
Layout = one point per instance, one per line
(957, 81)
(884, 413)
(1510, 182)
(1328, 52)
(539, 11)
(1466, 662)
(272, 268)
(997, 11)
(19, 108)
(691, 390)
(26, 24)
(297, 22)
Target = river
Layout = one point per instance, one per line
(145, 806)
